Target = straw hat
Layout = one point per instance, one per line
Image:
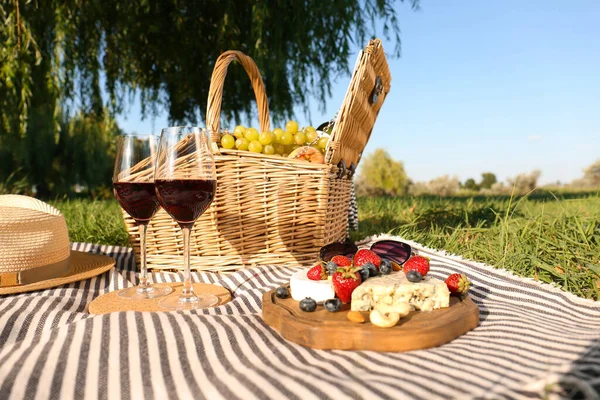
(35, 252)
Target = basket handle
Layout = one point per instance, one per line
(215, 92)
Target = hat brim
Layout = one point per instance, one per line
(82, 266)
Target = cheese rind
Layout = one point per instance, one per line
(302, 287)
(394, 289)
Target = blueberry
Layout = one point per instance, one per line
(308, 305)
(372, 269)
(364, 272)
(414, 276)
(331, 267)
(385, 261)
(333, 305)
(385, 269)
(282, 292)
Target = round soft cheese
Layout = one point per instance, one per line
(302, 287)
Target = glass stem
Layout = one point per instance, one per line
(144, 286)
(188, 291)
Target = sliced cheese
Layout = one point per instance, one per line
(394, 289)
(302, 287)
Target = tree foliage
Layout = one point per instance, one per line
(381, 175)
(592, 174)
(87, 146)
(487, 180)
(166, 49)
(62, 55)
(470, 184)
(591, 177)
(519, 185)
(525, 182)
(82, 156)
(441, 186)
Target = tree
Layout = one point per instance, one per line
(87, 146)
(418, 188)
(487, 180)
(381, 175)
(591, 176)
(592, 173)
(59, 55)
(440, 186)
(497, 188)
(524, 183)
(471, 185)
(444, 186)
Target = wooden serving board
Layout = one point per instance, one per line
(322, 329)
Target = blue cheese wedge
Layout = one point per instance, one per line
(395, 289)
(302, 287)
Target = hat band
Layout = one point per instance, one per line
(34, 275)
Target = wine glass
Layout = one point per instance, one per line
(185, 182)
(133, 186)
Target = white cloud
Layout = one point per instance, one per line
(534, 138)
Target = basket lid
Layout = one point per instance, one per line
(366, 93)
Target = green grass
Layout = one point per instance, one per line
(93, 221)
(548, 238)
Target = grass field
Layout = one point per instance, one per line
(552, 239)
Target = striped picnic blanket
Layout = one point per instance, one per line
(533, 341)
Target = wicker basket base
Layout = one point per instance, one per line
(282, 220)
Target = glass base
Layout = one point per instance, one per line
(193, 302)
(151, 292)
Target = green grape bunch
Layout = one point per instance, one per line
(279, 142)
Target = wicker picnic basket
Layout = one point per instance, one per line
(270, 209)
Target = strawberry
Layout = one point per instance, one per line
(417, 263)
(342, 261)
(317, 273)
(458, 283)
(364, 256)
(345, 280)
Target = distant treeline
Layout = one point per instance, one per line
(381, 175)
(77, 156)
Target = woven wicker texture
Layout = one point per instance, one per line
(267, 209)
(361, 105)
(215, 92)
(32, 234)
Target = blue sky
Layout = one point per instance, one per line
(500, 86)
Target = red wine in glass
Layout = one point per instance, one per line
(133, 185)
(138, 199)
(185, 199)
(185, 182)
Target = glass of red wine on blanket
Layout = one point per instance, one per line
(133, 186)
(185, 182)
